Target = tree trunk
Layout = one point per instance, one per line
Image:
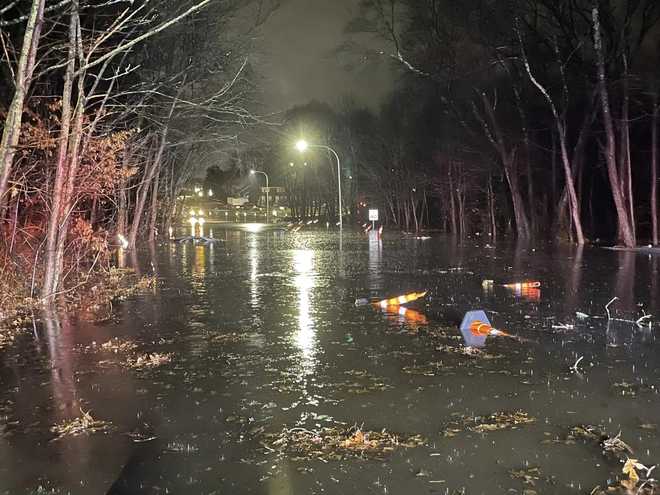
(623, 218)
(51, 275)
(527, 156)
(491, 210)
(496, 137)
(574, 205)
(522, 224)
(577, 163)
(654, 170)
(560, 124)
(72, 162)
(452, 202)
(12, 126)
(154, 208)
(122, 209)
(413, 203)
(625, 166)
(143, 190)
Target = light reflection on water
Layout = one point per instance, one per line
(304, 280)
(253, 256)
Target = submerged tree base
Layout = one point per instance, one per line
(91, 297)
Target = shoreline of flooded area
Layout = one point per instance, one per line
(250, 369)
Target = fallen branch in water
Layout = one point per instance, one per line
(640, 322)
(574, 368)
(607, 307)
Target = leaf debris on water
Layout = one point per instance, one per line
(84, 424)
(150, 360)
(337, 443)
(529, 476)
(492, 422)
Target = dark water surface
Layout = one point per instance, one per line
(302, 355)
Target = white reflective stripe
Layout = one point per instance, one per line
(383, 303)
(402, 311)
(403, 299)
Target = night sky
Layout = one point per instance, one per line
(299, 58)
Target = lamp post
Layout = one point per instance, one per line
(302, 146)
(252, 172)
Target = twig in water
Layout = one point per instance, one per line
(607, 307)
(574, 368)
(641, 320)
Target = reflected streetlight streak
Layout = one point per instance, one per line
(305, 337)
(254, 269)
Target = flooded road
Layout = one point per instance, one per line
(262, 337)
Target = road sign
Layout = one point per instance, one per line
(373, 215)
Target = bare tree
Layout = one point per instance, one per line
(623, 216)
(560, 123)
(22, 80)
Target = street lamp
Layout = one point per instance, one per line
(302, 146)
(252, 172)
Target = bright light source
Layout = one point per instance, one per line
(254, 227)
(171, 230)
(193, 221)
(302, 145)
(200, 194)
(210, 192)
(251, 172)
(201, 222)
(200, 212)
(122, 241)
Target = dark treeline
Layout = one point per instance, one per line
(541, 114)
(106, 108)
(534, 117)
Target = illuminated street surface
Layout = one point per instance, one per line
(264, 335)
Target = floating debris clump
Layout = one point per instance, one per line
(84, 424)
(493, 422)
(150, 360)
(335, 443)
(118, 346)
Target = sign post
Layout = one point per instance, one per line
(373, 218)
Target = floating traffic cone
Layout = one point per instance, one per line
(398, 301)
(410, 315)
(476, 328)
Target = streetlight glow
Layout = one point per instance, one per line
(302, 146)
(253, 172)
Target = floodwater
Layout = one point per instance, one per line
(264, 336)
